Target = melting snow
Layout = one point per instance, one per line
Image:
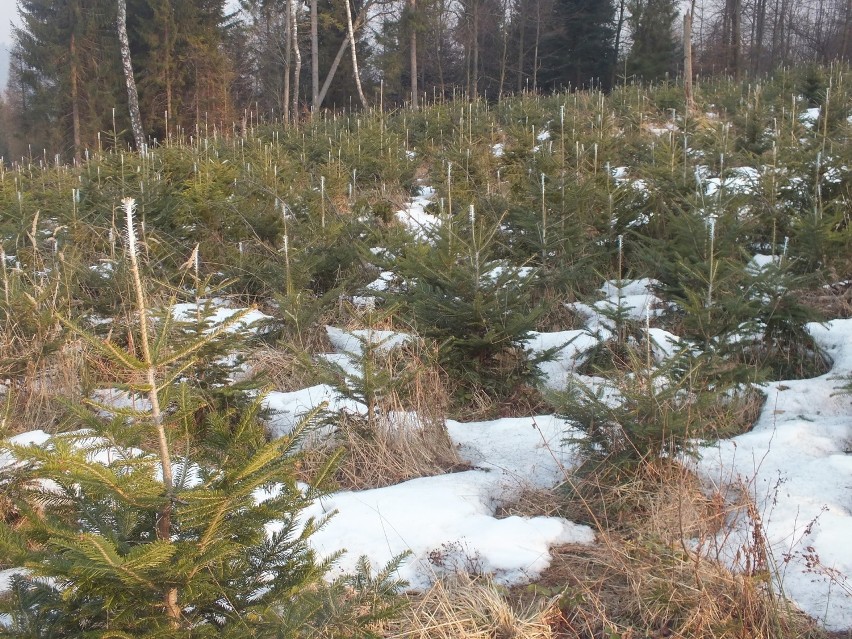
(795, 466)
(415, 217)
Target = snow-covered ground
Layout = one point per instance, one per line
(414, 215)
(449, 522)
(794, 466)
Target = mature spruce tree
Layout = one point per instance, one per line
(66, 73)
(655, 49)
(179, 54)
(577, 44)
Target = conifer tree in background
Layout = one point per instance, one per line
(655, 49)
(179, 55)
(70, 83)
(63, 85)
(577, 44)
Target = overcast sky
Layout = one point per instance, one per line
(8, 11)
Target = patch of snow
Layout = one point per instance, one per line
(634, 298)
(795, 467)
(619, 173)
(382, 282)
(414, 216)
(666, 129)
(834, 174)
(6, 578)
(104, 268)
(448, 522)
(286, 410)
(249, 323)
(741, 180)
(572, 348)
(347, 362)
(664, 345)
(760, 262)
(119, 400)
(809, 117)
(353, 341)
(515, 272)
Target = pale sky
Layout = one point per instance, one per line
(8, 11)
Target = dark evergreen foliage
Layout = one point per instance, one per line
(577, 45)
(654, 53)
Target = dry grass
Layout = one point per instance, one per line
(642, 587)
(831, 302)
(286, 370)
(642, 579)
(403, 435)
(530, 501)
(464, 607)
(384, 453)
(30, 399)
(558, 314)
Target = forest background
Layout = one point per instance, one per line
(203, 66)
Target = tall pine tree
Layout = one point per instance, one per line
(655, 49)
(66, 74)
(577, 44)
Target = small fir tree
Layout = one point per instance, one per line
(115, 541)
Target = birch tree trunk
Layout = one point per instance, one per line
(288, 45)
(332, 71)
(355, 71)
(412, 4)
(359, 20)
(126, 63)
(315, 85)
(297, 54)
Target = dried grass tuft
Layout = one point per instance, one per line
(286, 370)
(31, 398)
(465, 607)
(386, 452)
(403, 435)
(642, 579)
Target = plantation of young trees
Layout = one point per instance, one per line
(211, 65)
(345, 319)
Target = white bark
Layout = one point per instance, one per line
(314, 57)
(297, 54)
(355, 72)
(132, 95)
